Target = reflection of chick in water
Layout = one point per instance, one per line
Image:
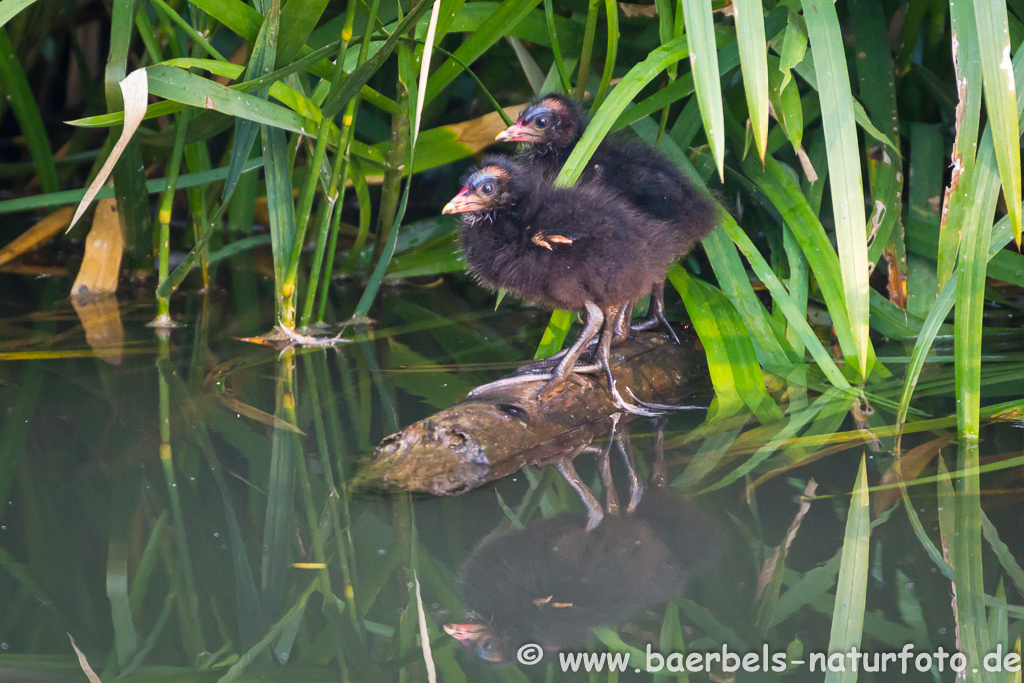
(551, 583)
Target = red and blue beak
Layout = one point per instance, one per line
(465, 200)
(518, 132)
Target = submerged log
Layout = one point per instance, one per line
(496, 434)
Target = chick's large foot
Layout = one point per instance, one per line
(656, 314)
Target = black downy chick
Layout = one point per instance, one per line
(553, 582)
(653, 185)
(578, 249)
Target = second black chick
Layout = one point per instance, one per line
(578, 249)
(653, 185)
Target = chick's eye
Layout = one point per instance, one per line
(487, 188)
(541, 122)
(487, 645)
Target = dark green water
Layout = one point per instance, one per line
(175, 567)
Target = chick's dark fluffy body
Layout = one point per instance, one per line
(643, 177)
(609, 260)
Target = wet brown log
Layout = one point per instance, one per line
(491, 436)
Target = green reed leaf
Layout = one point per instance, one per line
(753, 47)
(967, 69)
(19, 96)
(700, 29)
(852, 584)
(844, 169)
(1001, 100)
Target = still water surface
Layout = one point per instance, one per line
(182, 507)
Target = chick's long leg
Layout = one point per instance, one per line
(622, 330)
(636, 484)
(658, 470)
(656, 316)
(594, 512)
(595, 318)
(604, 358)
(547, 365)
(603, 458)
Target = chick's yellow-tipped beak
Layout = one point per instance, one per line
(466, 633)
(465, 200)
(517, 132)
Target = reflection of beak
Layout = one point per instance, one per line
(464, 201)
(517, 132)
(467, 634)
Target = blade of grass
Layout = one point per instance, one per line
(786, 197)
(298, 19)
(792, 427)
(590, 28)
(163, 304)
(970, 296)
(1001, 100)
(196, 37)
(279, 90)
(735, 284)
(700, 30)
(727, 344)
(732, 277)
(175, 84)
(287, 618)
(965, 556)
(786, 103)
(844, 170)
(555, 333)
(556, 48)
(750, 37)
(1010, 564)
(728, 59)
(152, 187)
(533, 72)
(282, 218)
(611, 10)
(967, 68)
(261, 62)
(925, 179)
(878, 92)
(363, 307)
(795, 315)
(348, 88)
(9, 8)
(984, 185)
(851, 586)
(604, 118)
(22, 102)
(129, 177)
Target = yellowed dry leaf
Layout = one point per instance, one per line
(254, 413)
(135, 93)
(104, 247)
(84, 663)
(631, 11)
(805, 163)
(38, 234)
(909, 465)
(768, 568)
(428, 48)
(33, 271)
(101, 319)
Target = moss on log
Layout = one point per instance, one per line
(491, 436)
